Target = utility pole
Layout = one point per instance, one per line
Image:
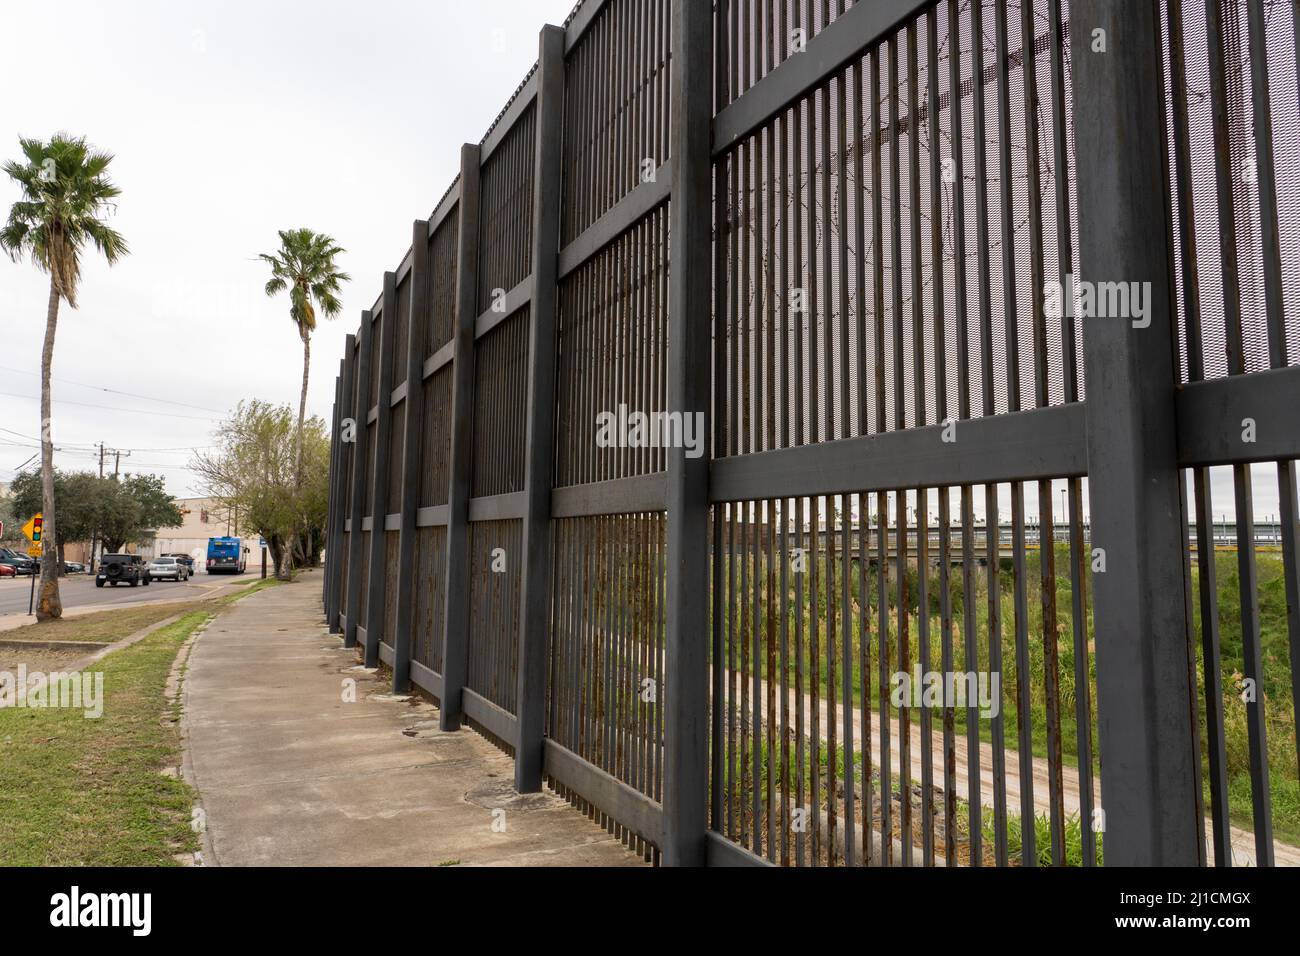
(94, 538)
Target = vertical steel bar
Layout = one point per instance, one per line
(535, 587)
(686, 742)
(375, 606)
(1145, 707)
(455, 633)
(338, 489)
(359, 465)
(420, 284)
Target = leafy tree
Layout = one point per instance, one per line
(65, 195)
(252, 468)
(305, 266)
(141, 504)
(9, 518)
(121, 511)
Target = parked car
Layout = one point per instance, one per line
(7, 571)
(185, 559)
(73, 567)
(118, 569)
(165, 566)
(19, 562)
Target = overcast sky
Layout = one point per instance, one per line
(230, 120)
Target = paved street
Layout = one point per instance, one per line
(79, 591)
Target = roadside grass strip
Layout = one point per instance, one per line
(97, 792)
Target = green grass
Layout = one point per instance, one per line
(1275, 683)
(80, 792)
(101, 627)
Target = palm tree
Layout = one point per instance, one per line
(65, 197)
(305, 266)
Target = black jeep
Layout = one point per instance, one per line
(118, 569)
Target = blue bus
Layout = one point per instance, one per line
(227, 556)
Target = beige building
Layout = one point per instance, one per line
(201, 519)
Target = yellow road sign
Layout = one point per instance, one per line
(34, 551)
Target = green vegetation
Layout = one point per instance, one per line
(250, 469)
(118, 511)
(822, 661)
(102, 627)
(82, 792)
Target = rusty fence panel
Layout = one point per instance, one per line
(917, 588)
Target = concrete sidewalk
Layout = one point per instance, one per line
(290, 774)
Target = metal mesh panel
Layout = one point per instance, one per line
(859, 289)
(363, 603)
(344, 569)
(616, 109)
(430, 597)
(372, 454)
(435, 444)
(606, 687)
(401, 332)
(396, 441)
(442, 296)
(753, 37)
(390, 587)
(500, 419)
(495, 550)
(1223, 215)
(506, 213)
(612, 347)
(376, 341)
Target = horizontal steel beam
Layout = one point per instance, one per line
(426, 679)
(583, 17)
(495, 720)
(856, 30)
(722, 852)
(497, 507)
(398, 396)
(435, 517)
(1042, 443)
(628, 211)
(347, 525)
(393, 522)
(515, 299)
(372, 416)
(1214, 415)
(386, 653)
(444, 356)
(618, 496)
(630, 807)
(367, 524)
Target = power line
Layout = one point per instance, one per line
(115, 391)
(115, 408)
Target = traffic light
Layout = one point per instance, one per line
(37, 524)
